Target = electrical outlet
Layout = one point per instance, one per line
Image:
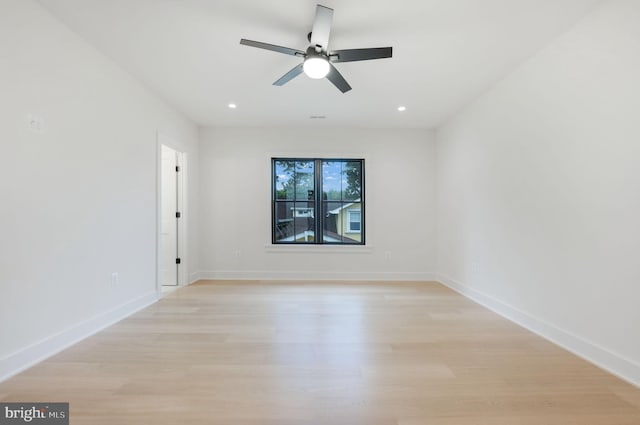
(115, 278)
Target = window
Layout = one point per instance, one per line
(353, 218)
(313, 197)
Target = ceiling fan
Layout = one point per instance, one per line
(318, 60)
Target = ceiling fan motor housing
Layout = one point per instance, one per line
(312, 52)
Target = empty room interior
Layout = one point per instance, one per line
(352, 212)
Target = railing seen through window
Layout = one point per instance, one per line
(318, 201)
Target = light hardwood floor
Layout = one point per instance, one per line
(340, 353)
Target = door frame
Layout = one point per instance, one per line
(182, 185)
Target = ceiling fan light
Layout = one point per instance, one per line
(316, 67)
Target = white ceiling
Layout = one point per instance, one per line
(446, 53)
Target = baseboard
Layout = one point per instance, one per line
(316, 275)
(194, 277)
(611, 362)
(35, 353)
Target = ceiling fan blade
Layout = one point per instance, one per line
(272, 47)
(352, 55)
(338, 80)
(289, 76)
(321, 27)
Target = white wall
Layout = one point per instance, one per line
(235, 204)
(78, 201)
(539, 192)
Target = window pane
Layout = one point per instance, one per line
(304, 177)
(303, 218)
(331, 180)
(283, 225)
(294, 222)
(351, 180)
(284, 179)
(342, 222)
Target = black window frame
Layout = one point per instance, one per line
(318, 202)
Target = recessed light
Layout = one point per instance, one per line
(402, 108)
(233, 106)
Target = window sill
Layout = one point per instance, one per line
(318, 249)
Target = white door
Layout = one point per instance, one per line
(169, 220)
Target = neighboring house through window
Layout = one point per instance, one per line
(313, 197)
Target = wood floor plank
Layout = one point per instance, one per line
(311, 353)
